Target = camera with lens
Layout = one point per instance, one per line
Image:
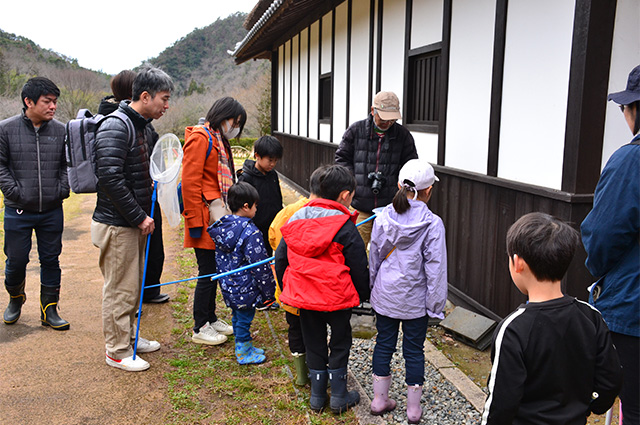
(377, 181)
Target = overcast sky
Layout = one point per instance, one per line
(86, 30)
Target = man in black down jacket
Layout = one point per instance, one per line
(33, 179)
(375, 149)
(121, 219)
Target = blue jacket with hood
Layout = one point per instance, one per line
(240, 243)
(611, 237)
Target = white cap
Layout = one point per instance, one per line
(417, 173)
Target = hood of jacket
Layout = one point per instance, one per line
(403, 229)
(328, 218)
(249, 167)
(227, 231)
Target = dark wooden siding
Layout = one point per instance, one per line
(477, 211)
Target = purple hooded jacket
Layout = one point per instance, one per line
(412, 281)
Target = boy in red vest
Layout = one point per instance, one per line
(322, 264)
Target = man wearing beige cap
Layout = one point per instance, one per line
(375, 149)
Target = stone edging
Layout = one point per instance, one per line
(466, 386)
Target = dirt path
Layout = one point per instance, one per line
(61, 377)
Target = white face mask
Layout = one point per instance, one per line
(230, 134)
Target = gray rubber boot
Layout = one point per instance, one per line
(318, 397)
(17, 297)
(341, 399)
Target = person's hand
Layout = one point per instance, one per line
(147, 226)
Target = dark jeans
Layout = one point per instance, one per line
(296, 343)
(155, 261)
(18, 228)
(241, 321)
(414, 333)
(314, 332)
(204, 297)
(628, 348)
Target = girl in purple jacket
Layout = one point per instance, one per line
(408, 270)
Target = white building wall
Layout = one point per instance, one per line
(358, 91)
(280, 94)
(426, 145)
(313, 82)
(326, 43)
(625, 56)
(295, 77)
(304, 82)
(339, 117)
(426, 22)
(325, 132)
(426, 29)
(470, 76)
(535, 91)
(286, 127)
(393, 29)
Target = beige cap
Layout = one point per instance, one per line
(387, 105)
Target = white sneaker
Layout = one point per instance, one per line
(208, 335)
(222, 327)
(146, 346)
(128, 363)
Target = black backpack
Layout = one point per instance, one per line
(79, 139)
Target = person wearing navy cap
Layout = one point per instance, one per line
(611, 237)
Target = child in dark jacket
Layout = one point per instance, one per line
(261, 175)
(239, 243)
(553, 359)
(322, 264)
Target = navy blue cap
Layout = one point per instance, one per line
(632, 93)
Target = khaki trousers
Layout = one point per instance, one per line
(365, 229)
(122, 264)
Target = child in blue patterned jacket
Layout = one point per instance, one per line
(240, 243)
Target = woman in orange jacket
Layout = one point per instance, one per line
(207, 174)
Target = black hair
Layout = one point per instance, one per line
(545, 243)
(151, 80)
(268, 146)
(328, 181)
(36, 87)
(241, 193)
(400, 201)
(224, 109)
(122, 84)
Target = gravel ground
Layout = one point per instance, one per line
(442, 404)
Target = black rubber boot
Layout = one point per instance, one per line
(17, 297)
(318, 397)
(341, 399)
(49, 309)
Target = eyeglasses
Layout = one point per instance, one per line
(622, 108)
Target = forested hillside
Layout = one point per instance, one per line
(199, 64)
(21, 59)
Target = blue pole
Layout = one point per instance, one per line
(144, 273)
(243, 268)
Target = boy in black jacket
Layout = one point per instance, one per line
(261, 175)
(553, 359)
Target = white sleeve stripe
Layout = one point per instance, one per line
(496, 360)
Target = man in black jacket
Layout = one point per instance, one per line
(121, 219)
(33, 179)
(375, 149)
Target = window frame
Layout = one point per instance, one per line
(322, 102)
(434, 49)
